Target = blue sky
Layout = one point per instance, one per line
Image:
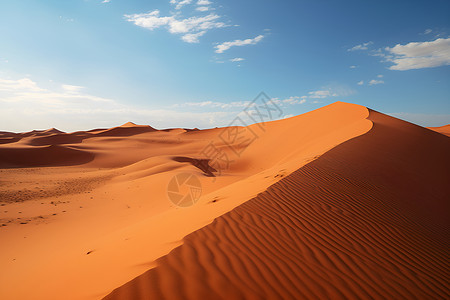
(81, 64)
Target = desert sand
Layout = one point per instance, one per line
(342, 202)
(445, 130)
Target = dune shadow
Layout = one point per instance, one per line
(50, 156)
(202, 164)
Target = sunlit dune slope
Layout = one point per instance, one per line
(85, 212)
(369, 219)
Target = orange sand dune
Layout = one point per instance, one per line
(50, 131)
(127, 129)
(83, 213)
(367, 220)
(52, 155)
(445, 130)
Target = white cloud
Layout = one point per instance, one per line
(240, 104)
(70, 111)
(106, 1)
(227, 45)
(374, 82)
(21, 85)
(380, 53)
(380, 76)
(352, 67)
(214, 104)
(23, 99)
(361, 82)
(195, 24)
(72, 88)
(294, 100)
(192, 37)
(202, 5)
(237, 59)
(149, 20)
(70, 107)
(363, 46)
(321, 94)
(331, 90)
(428, 31)
(192, 27)
(419, 55)
(180, 3)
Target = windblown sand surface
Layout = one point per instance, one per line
(343, 205)
(367, 220)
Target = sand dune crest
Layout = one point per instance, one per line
(360, 222)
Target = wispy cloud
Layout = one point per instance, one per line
(214, 104)
(419, 55)
(203, 5)
(193, 37)
(202, 8)
(236, 43)
(180, 3)
(26, 90)
(150, 20)
(72, 88)
(329, 91)
(312, 97)
(414, 55)
(191, 28)
(237, 59)
(364, 46)
(294, 100)
(106, 1)
(380, 53)
(375, 82)
(239, 104)
(321, 94)
(20, 85)
(70, 108)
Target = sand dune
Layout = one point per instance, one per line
(83, 213)
(445, 130)
(127, 129)
(5, 139)
(367, 220)
(52, 155)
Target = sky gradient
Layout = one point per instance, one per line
(84, 64)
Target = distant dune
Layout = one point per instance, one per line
(339, 203)
(445, 130)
